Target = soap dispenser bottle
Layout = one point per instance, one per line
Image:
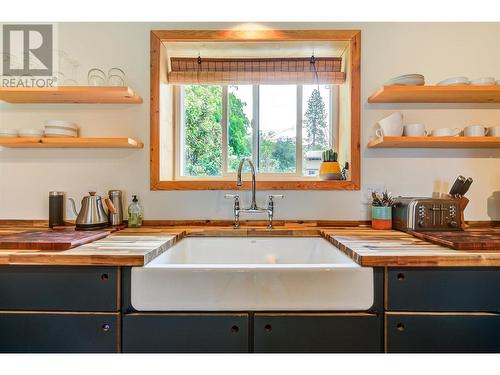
(134, 213)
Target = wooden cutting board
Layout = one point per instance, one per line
(50, 240)
(471, 239)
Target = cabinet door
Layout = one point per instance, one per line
(318, 333)
(443, 332)
(59, 288)
(40, 332)
(443, 289)
(185, 333)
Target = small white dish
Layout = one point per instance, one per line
(408, 81)
(483, 81)
(454, 81)
(59, 133)
(31, 133)
(445, 132)
(8, 133)
(61, 124)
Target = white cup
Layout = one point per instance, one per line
(391, 126)
(445, 132)
(475, 131)
(414, 130)
(494, 131)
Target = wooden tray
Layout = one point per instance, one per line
(471, 240)
(50, 240)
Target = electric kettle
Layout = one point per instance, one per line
(92, 214)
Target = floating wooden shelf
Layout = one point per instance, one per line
(70, 143)
(70, 94)
(436, 94)
(435, 142)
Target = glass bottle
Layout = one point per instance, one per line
(134, 213)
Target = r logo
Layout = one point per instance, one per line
(32, 45)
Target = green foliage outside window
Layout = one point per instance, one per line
(203, 134)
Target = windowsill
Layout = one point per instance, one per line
(315, 184)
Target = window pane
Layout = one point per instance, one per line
(240, 111)
(201, 133)
(315, 126)
(277, 128)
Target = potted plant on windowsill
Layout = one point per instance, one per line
(329, 169)
(382, 210)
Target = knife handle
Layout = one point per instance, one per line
(457, 185)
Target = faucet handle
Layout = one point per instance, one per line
(229, 196)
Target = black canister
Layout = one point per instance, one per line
(56, 209)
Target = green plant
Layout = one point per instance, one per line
(329, 155)
(382, 200)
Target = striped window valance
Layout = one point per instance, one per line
(325, 70)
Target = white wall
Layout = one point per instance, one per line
(436, 50)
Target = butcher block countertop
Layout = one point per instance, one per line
(136, 247)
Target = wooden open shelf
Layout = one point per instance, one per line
(436, 94)
(70, 143)
(70, 94)
(435, 142)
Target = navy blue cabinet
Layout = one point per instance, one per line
(443, 289)
(443, 332)
(59, 288)
(40, 332)
(185, 333)
(318, 333)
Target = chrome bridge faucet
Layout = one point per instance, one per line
(253, 209)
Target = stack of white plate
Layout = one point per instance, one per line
(454, 81)
(484, 81)
(8, 133)
(60, 128)
(30, 133)
(407, 80)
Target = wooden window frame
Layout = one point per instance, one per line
(353, 37)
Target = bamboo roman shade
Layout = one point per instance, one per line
(289, 70)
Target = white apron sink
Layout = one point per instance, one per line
(252, 274)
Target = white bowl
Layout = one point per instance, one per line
(61, 124)
(8, 133)
(59, 133)
(454, 81)
(31, 133)
(483, 81)
(407, 80)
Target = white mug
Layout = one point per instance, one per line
(475, 131)
(445, 132)
(494, 131)
(391, 126)
(414, 130)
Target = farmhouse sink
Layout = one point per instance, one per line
(252, 273)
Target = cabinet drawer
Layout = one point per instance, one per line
(59, 288)
(53, 332)
(185, 333)
(318, 333)
(443, 333)
(443, 289)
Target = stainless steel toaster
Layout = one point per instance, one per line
(425, 214)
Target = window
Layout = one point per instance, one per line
(282, 128)
(239, 69)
